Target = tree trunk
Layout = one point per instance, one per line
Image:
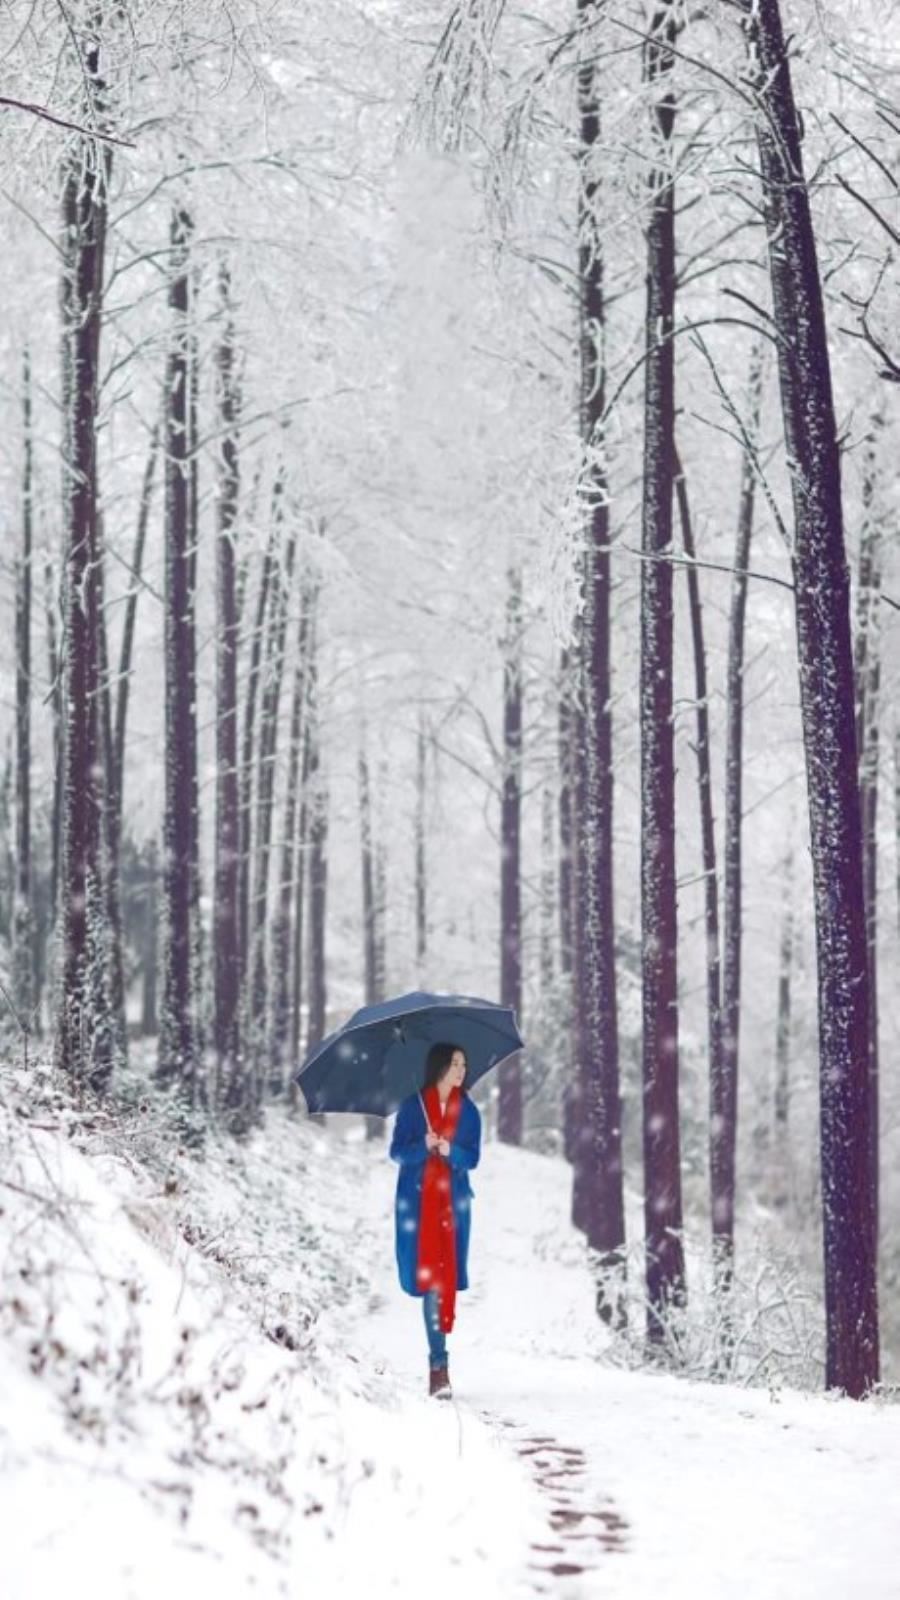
(23, 930)
(318, 871)
(126, 651)
(290, 864)
(867, 689)
(420, 857)
(368, 876)
(231, 1092)
(112, 810)
(662, 1159)
(56, 670)
(566, 786)
(247, 744)
(177, 1037)
(149, 1018)
(83, 1035)
(821, 584)
(782, 1186)
(509, 1110)
(724, 1085)
(265, 789)
(598, 1198)
(198, 978)
(708, 842)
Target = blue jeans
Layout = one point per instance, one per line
(437, 1341)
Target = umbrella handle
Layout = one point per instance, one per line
(425, 1115)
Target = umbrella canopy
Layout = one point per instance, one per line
(377, 1058)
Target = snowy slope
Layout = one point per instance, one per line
(209, 1372)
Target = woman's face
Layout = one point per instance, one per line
(456, 1071)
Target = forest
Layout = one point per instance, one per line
(450, 545)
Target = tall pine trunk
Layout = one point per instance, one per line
(868, 684)
(290, 863)
(782, 1156)
(420, 856)
(825, 658)
(565, 745)
(23, 930)
(112, 810)
(318, 866)
(177, 1061)
(56, 671)
(367, 864)
(282, 582)
(226, 919)
(83, 1033)
(248, 743)
(661, 1138)
(509, 1108)
(598, 1196)
(126, 651)
(708, 840)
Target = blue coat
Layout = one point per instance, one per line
(409, 1149)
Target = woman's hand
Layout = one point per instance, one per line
(444, 1147)
(431, 1139)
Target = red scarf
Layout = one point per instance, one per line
(436, 1268)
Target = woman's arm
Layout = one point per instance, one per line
(467, 1152)
(407, 1146)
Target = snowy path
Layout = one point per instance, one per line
(648, 1485)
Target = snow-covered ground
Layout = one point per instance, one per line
(209, 1372)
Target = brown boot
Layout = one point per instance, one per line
(439, 1382)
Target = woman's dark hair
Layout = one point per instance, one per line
(438, 1060)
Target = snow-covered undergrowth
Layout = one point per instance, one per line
(180, 1395)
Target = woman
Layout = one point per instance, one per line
(437, 1141)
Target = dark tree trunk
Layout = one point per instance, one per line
(303, 844)
(248, 742)
(177, 1037)
(662, 1160)
(824, 649)
(509, 1109)
(231, 1093)
(265, 789)
(707, 835)
(56, 670)
(149, 1018)
(83, 1035)
(290, 864)
(598, 1197)
(367, 862)
(549, 905)
(318, 869)
(380, 896)
(126, 652)
(566, 790)
(23, 929)
(112, 810)
(198, 978)
(420, 857)
(566, 786)
(781, 1144)
(867, 688)
(724, 1082)
(373, 866)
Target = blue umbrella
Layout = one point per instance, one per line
(377, 1058)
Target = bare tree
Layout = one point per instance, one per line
(597, 1194)
(509, 1109)
(659, 927)
(227, 974)
(83, 1031)
(177, 1057)
(824, 648)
